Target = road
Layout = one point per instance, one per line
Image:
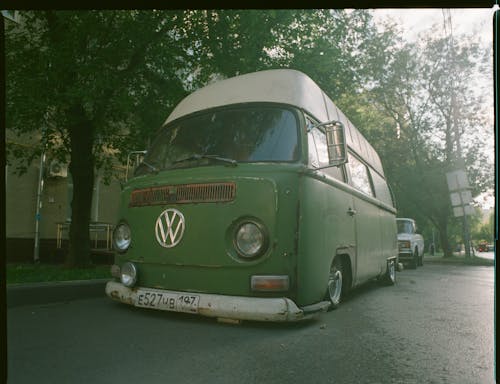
(490, 255)
(434, 326)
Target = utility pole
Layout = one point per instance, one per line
(36, 251)
(459, 162)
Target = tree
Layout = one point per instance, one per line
(483, 230)
(411, 119)
(325, 44)
(84, 82)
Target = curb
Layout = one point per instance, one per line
(477, 261)
(55, 292)
(43, 293)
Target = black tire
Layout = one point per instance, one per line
(390, 272)
(334, 289)
(421, 260)
(414, 260)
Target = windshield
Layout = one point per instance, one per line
(228, 136)
(405, 227)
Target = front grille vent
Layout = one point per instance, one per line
(183, 194)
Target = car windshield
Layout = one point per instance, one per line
(405, 226)
(226, 136)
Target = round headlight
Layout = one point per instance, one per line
(122, 237)
(128, 274)
(250, 240)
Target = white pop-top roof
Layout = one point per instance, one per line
(285, 86)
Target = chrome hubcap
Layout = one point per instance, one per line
(392, 270)
(335, 285)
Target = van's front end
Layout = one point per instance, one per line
(208, 225)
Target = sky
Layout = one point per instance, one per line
(474, 21)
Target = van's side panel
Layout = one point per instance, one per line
(325, 227)
(387, 214)
(388, 227)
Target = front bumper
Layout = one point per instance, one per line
(225, 307)
(405, 256)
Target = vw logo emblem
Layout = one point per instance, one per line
(169, 228)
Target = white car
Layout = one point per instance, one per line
(410, 243)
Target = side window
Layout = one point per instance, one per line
(318, 152)
(313, 154)
(382, 191)
(359, 176)
(319, 140)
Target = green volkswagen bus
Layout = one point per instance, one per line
(258, 200)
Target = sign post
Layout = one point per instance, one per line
(461, 197)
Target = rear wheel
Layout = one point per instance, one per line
(390, 273)
(335, 283)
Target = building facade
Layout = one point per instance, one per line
(51, 190)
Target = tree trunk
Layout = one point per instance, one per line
(443, 238)
(81, 166)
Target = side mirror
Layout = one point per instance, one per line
(335, 142)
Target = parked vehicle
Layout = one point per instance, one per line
(258, 200)
(410, 243)
(484, 247)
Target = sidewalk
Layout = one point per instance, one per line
(56, 292)
(458, 258)
(44, 293)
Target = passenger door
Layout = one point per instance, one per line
(326, 226)
(367, 222)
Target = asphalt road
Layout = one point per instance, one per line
(434, 326)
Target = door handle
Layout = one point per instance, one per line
(351, 212)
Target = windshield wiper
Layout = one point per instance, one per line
(231, 162)
(150, 166)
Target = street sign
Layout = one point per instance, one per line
(457, 180)
(461, 198)
(459, 211)
(460, 193)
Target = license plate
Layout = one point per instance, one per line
(177, 302)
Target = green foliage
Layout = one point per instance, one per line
(483, 230)
(96, 60)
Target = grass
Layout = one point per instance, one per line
(36, 273)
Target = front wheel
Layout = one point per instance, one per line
(335, 279)
(421, 260)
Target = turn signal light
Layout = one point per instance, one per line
(275, 283)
